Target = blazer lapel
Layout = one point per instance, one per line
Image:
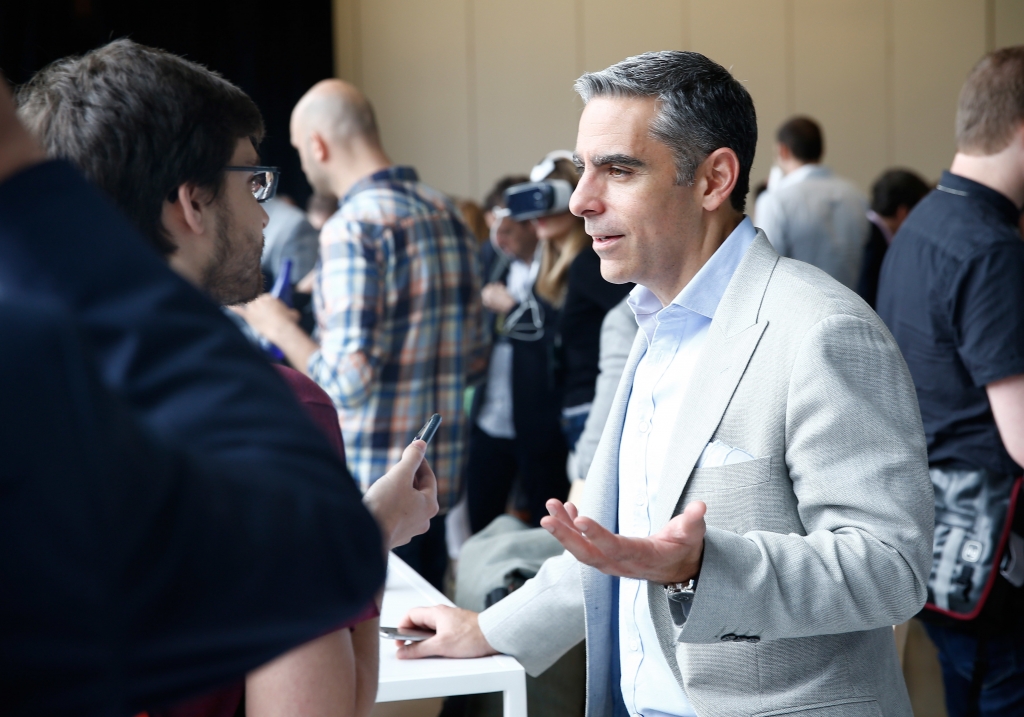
(732, 337)
(601, 497)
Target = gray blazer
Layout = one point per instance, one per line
(816, 547)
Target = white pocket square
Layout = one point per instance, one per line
(716, 454)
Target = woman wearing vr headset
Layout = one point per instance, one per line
(515, 416)
(544, 362)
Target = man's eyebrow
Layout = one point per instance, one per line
(624, 160)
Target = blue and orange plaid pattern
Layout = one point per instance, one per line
(399, 319)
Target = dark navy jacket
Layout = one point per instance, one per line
(169, 516)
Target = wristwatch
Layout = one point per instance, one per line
(680, 600)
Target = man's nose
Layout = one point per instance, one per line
(266, 217)
(585, 200)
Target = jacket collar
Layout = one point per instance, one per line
(957, 186)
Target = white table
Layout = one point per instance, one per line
(438, 677)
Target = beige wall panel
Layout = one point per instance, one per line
(1009, 21)
(749, 38)
(936, 42)
(526, 62)
(414, 69)
(346, 31)
(839, 74)
(615, 29)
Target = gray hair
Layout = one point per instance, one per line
(701, 108)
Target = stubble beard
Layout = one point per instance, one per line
(234, 275)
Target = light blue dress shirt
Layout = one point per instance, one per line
(675, 337)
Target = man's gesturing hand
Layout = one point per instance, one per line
(672, 555)
(404, 499)
(458, 634)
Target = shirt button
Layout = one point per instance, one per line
(644, 425)
(640, 499)
(634, 645)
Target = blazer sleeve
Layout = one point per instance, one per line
(542, 620)
(230, 482)
(856, 455)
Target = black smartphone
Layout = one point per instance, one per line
(429, 429)
(406, 633)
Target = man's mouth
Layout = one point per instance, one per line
(605, 239)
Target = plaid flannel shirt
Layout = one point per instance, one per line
(399, 319)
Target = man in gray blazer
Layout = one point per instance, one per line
(759, 512)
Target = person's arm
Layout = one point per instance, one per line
(989, 320)
(1006, 397)
(549, 604)
(332, 676)
(272, 319)
(353, 294)
(352, 285)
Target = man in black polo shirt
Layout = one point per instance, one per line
(952, 293)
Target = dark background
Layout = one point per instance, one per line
(275, 51)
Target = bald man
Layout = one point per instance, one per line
(397, 302)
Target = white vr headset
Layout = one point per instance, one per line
(540, 197)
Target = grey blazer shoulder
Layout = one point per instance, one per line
(814, 548)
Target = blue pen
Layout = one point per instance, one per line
(282, 290)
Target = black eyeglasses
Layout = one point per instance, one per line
(263, 183)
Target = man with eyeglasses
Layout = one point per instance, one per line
(175, 146)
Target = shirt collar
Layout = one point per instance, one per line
(389, 175)
(705, 290)
(954, 184)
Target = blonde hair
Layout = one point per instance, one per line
(553, 277)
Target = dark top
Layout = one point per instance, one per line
(536, 385)
(874, 253)
(159, 484)
(952, 293)
(588, 299)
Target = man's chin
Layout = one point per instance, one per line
(236, 294)
(613, 273)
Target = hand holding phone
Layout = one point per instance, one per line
(404, 499)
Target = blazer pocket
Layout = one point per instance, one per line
(734, 475)
(853, 707)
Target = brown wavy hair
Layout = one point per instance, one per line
(553, 277)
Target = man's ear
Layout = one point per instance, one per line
(720, 172)
(189, 212)
(319, 148)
